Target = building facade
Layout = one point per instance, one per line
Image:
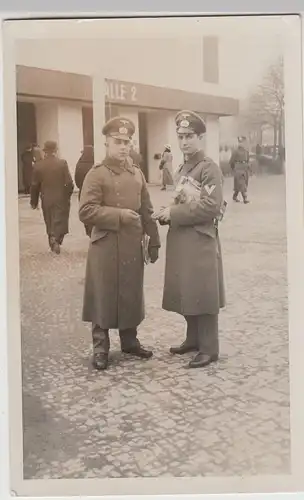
(66, 98)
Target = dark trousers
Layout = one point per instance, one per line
(101, 339)
(202, 333)
(54, 239)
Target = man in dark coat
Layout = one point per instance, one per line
(115, 201)
(84, 164)
(52, 181)
(194, 283)
(239, 163)
(27, 159)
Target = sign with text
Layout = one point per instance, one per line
(121, 92)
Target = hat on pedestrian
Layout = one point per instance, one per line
(50, 147)
(241, 138)
(119, 127)
(191, 122)
(167, 147)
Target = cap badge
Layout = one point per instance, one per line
(184, 123)
(123, 130)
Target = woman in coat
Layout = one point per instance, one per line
(194, 285)
(166, 167)
(83, 166)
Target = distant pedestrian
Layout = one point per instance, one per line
(239, 163)
(27, 159)
(166, 167)
(116, 202)
(52, 181)
(37, 153)
(83, 166)
(135, 156)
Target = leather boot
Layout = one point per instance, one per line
(131, 345)
(235, 197)
(191, 342)
(208, 341)
(101, 347)
(54, 245)
(245, 200)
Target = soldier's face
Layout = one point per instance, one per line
(189, 142)
(118, 148)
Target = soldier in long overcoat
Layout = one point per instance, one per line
(52, 181)
(115, 201)
(84, 164)
(239, 163)
(194, 283)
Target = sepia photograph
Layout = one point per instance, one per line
(148, 174)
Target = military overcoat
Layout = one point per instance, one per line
(52, 181)
(113, 295)
(194, 282)
(239, 163)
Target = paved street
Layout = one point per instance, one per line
(154, 417)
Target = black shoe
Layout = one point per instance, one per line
(236, 200)
(246, 201)
(101, 361)
(183, 348)
(201, 360)
(56, 248)
(138, 351)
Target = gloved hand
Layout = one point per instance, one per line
(128, 216)
(153, 254)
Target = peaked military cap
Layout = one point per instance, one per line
(50, 147)
(190, 121)
(119, 127)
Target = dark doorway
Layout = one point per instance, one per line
(26, 133)
(87, 126)
(143, 143)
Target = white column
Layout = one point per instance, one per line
(212, 138)
(157, 130)
(70, 141)
(99, 115)
(47, 122)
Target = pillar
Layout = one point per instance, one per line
(212, 138)
(99, 118)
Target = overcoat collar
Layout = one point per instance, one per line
(192, 161)
(117, 167)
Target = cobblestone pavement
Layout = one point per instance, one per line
(154, 417)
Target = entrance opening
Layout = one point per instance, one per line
(143, 143)
(26, 134)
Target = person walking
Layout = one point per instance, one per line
(194, 282)
(84, 164)
(116, 202)
(239, 163)
(27, 159)
(52, 182)
(166, 167)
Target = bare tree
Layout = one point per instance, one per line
(265, 106)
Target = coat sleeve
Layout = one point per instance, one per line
(35, 186)
(68, 181)
(146, 211)
(91, 211)
(208, 207)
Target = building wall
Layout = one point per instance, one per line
(61, 122)
(175, 62)
(70, 133)
(47, 122)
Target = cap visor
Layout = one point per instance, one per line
(123, 137)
